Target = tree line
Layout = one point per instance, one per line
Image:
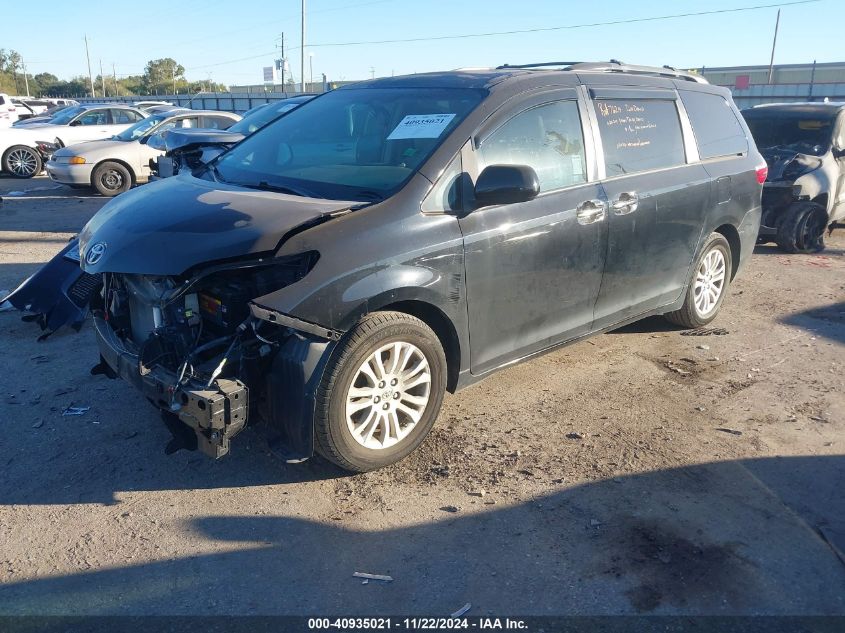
(161, 77)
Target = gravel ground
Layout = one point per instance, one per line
(642, 471)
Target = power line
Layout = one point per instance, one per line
(569, 26)
(673, 16)
(217, 35)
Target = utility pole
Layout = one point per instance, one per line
(302, 49)
(280, 63)
(102, 78)
(90, 76)
(26, 79)
(311, 71)
(173, 76)
(774, 41)
(114, 74)
(372, 72)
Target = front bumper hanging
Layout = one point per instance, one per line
(216, 413)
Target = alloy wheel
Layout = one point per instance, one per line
(388, 395)
(709, 282)
(22, 162)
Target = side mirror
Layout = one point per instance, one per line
(838, 152)
(75, 123)
(506, 184)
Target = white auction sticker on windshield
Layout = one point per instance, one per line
(421, 126)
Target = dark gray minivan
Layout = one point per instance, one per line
(330, 277)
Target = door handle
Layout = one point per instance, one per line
(626, 203)
(591, 211)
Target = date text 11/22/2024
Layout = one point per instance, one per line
(416, 624)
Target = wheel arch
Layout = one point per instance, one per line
(731, 234)
(822, 200)
(443, 328)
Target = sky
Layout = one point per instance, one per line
(229, 42)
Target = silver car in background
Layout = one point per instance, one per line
(114, 165)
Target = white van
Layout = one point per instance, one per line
(8, 113)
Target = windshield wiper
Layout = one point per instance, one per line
(266, 186)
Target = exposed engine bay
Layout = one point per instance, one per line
(189, 149)
(193, 345)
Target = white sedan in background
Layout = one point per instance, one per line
(114, 165)
(18, 145)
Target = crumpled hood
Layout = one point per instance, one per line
(169, 226)
(787, 164)
(179, 139)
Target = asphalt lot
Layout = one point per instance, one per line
(643, 471)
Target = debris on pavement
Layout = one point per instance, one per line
(672, 367)
(710, 331)
(449, 508)
(461, 611)
(595, 523)
(704, 347)
(72, 410)
(731, 431)
(574, 436)
(359, 574)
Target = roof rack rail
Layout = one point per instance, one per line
(614, 66)
(540, 65)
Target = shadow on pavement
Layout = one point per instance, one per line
(826, 321)
(708, 539)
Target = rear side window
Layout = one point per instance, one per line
(714, 123)
(639, 135)
(547, 138)
(94, 117)
(216, 122)
(122, 117)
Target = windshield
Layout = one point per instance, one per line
(262, 116)
(804, 133)
(65, 117)
(349, 144)
(141, 128)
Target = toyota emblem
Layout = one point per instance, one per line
(95, 253)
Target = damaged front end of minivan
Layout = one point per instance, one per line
(193, 335)
(206, 355)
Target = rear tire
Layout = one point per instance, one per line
(802, 228)
(708, 285)
(21, 161)
(111, 178)
(381, 392)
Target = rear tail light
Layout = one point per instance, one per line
(762, 173)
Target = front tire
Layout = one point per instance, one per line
(381, 392)
(21, 161)
(802, 228)
(708, 285)
(111, 178)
